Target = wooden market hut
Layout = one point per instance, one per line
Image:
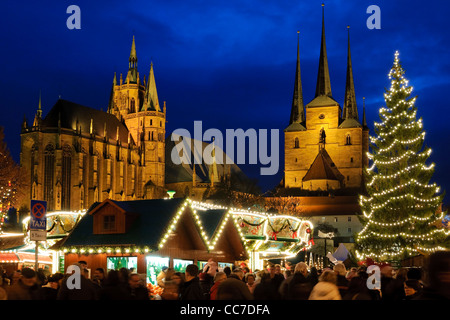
(169, 228)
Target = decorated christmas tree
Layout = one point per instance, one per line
(401, 209)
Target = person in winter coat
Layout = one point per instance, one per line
(218, 279)
(341, 281)
(25, 288)
(87, 289)
(300, 286)
(436, 278)
(211, 268)
(191, 289)
(265, 289)
(357, 290)
(113, 288)
(326, 288)
(250, 280)
(161, 276)
(413, 289)
(135, 289)
(49, 291)
(313, 276)
(233, 289)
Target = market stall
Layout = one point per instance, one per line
(148, 235)
(268, 236)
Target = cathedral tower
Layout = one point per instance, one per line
(136, 103)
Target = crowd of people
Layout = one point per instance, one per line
(292, 282)
(27, 284)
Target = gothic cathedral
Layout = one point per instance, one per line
(76, 155)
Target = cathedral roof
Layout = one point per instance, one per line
(184, 171)
(322, 101)
(69, 113)
(350, 123)
(323, 168)
(296, 127)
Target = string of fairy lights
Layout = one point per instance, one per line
(404, 170)
(231, 214)
(398, 159)
(404, 142)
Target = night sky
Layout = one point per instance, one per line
(229, 63)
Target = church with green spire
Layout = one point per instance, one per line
(76, 155)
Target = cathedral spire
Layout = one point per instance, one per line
(364, 113)
(132, 64)
(133, 55)
(39, 111)
(323, 77)
(350, 108)
(151, 95)
(24, 122)
(38, 116)
(111, 95)
(297, 111)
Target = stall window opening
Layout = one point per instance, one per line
(109, 223)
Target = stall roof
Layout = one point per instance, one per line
(211, 220)
(16, 257)
(153, 217)
(30, 257)
(8, 257)
(11, 242)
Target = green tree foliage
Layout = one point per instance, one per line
(401, 207)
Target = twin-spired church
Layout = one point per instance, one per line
(326, 145)
(77, 155)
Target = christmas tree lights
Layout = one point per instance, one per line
(401, 207)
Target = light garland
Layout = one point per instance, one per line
(408, 195)
(401, 115)
(411, 181)
(401, 222)
(397, 159)
(394, 209)
(400, 126)
(407, 235)
(410, 141)
(395, 175)
(232, 214)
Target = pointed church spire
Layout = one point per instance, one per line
(133, 55)
(350, 108)
(132, 65)
(151, 95)
(297, 111)
(38, 116)
(111, 95)
(24, 122)
(323, 77)
(364, 113)
(39, 112)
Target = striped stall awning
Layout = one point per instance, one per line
(8, 257)
(30, 257)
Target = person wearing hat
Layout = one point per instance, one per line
(25, 288)
(161, 276)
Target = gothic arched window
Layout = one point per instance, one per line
(66, 177)
(296, 143)
(348, 140)
(49, 172)
(132, 106)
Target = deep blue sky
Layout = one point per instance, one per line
(229, 63)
